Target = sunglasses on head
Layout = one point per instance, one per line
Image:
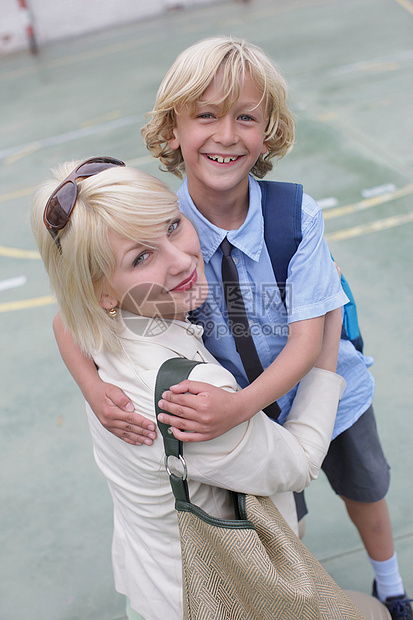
(61, 203)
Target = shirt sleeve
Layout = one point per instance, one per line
(313, 284)
(260, 456)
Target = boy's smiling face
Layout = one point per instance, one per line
(219, 149)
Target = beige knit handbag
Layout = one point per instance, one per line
(253, 567)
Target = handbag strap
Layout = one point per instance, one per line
(173, 371)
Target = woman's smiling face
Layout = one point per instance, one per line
(164, 279)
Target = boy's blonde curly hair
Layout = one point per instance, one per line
(189, 77)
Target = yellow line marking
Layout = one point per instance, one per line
(142, 161)
(136, 42)
(365, 229)
(16, 253)
(380, 66)
(369, 202)
(330, 214)
(27, 303)
(349, 233)
(29, 191)
(19, 193)
(406, 4)
(327, 116)
(101, 119)
(31, 148)
(81, 56)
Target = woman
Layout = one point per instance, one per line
(126, 267)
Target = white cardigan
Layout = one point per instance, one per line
(259, 457)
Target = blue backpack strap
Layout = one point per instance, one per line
(281, 207)
(351, 330)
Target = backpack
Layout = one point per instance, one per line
(281, 207)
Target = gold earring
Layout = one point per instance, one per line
(113, 312)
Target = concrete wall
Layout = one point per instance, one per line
(42, 21)
(12, 30)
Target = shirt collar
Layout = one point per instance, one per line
(249, 238)
(182, 337)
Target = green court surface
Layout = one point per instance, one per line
(349, 66)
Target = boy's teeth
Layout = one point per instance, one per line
(222, 160)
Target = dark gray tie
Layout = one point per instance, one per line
(239, 322)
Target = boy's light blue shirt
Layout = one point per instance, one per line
(313, 288)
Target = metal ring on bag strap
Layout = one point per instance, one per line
(171, 473)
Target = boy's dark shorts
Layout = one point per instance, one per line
(355, 464)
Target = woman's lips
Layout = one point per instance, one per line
(188, 283)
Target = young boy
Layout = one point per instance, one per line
(221, 114)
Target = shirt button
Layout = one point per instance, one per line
(250, 322)
(235, 259)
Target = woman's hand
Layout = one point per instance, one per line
(115, 412)
(204, 410)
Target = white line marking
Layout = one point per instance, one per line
(378, 190)
(12, 283)
(327, 203)
(370, 64)
(370, 202)
(71, 135)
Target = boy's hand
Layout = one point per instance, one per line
(203, 409)
(115, 412)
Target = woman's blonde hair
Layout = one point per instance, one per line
(189, 77)
(122, 199)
